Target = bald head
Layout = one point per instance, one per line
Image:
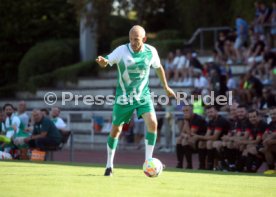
(138, 29)
(137, 37)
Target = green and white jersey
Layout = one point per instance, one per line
(133, 70)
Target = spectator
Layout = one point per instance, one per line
(270, 143)
(193, 124)
(216, 128)
(232, 150)
(268, 99)
(13, 127)
(45, 133)
(220, 44)
(201, 82)
(169, 66)
(2, 123)
(22, 114)
(255, 54)
(167, 127)
(45, 112)
(273, 25)
(60, 124)
(242, 34)
(256, 129)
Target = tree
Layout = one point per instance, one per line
(24, 23)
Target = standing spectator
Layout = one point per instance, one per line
(242, 33)
(22, 114)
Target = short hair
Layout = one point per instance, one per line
(211, 106)
(8, 105)
(242, 106)
(252, 111)
(45, 110)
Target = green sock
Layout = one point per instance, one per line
(151, 137)
(112, 142)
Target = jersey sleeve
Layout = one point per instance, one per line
(115, 56)
(16, 123)
(156, 63)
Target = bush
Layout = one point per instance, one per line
(165, 46)
(46, 57)
(119, 41)
(8, 91)
(168, 34)
(64, 74)
(71, 73)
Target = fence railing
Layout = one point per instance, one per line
(200, 32)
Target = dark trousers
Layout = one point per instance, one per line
(43, 143)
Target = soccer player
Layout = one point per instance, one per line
(133, 63)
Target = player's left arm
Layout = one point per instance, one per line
(161, 75)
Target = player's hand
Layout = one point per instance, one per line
(102, 61)
(170, 92)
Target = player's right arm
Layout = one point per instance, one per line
(102, 61)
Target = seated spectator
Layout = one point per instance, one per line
(232, 150)
(217, 127)
(269, 143)
(45, 112)
(185, 143)
(268, 100)
(45, 134)
(250, 160)
(14, 128)
(255, 54)
(60, 124)
(169, 66)
(2, 123)
(22, 114)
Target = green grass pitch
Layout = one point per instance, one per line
(69, 180)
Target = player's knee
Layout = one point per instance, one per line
(152, 125)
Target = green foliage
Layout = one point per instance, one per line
(119, 41)
(168, 34)
(70, 73)
(64, 74)
(165, 46)
(8, 91)
(46, 57)
(24, 23)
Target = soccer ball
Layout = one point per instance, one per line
(152, 167)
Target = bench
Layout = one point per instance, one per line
(65, 137)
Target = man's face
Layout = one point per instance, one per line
(55, 112)
(211, 113)
(187, 110)
(253, 118)
(8, 111)
(241, 113)
(37, 116)
(136, 40)
(21, 107)
(273, 115)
